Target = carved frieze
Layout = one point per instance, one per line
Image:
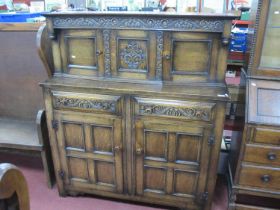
(132, 22)
(133, 56)
(191, 112)
(87, 104)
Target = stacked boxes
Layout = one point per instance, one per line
(238, 39)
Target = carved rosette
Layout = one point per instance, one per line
(87, 104)
(131, 22)
(193, 113)
(107, 57)
(133, 55)
(159, 55)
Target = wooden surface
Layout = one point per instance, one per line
(133, 116)
(12, 182)
(19, 134)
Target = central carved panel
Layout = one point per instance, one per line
(133, 55)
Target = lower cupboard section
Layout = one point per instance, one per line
(171, 161)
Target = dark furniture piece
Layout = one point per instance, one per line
(13, 188)
(255, 166)
(136, 104)
(22, 122)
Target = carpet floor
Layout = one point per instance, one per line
(43, 198)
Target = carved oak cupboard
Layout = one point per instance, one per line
(137, 103)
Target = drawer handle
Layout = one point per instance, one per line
(117, 148)
(98, 52)
(139, 151)
(167, 57)
(271, 156)
(265, 178)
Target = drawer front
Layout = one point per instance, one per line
(175, 109)
(262, 154)
(87, 102)
(263, 103)
(267, 136)
(261, 177)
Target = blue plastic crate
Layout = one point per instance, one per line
(239, 37)
(17, 17)
(237, 47)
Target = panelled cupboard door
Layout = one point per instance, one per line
(82, 52)
(133, 54)
(171, 159)
(190, 56)
(91, 151)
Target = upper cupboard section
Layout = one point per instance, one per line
(141, 47)
(144, 55)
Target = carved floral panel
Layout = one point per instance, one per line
(132, 55)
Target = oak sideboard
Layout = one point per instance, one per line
(136, 104)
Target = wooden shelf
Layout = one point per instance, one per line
(235, 64)
(19, 134)
(241, 22)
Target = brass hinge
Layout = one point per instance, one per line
(61, 174)
(211, 140)
(55, 124)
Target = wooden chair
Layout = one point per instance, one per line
(13, 188)
(21, 70)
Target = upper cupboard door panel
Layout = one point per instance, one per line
(190, 56)
(82, 52)
(133, 54)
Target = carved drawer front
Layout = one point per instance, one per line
(188, 110)
(190, 56)
(82, 52)
(266, 136)
(260, 177)
(171, 159)
(264, 102)
(87, 102)
(90, 150)
(262, 154)
(133, 54)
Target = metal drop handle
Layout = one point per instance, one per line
(139, 151)
(117, 148)
(266, 178)
(271, 156)
(98, 52)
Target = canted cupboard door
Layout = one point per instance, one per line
(171, 160)
(190, 56)
(91, 151)
(82, 52)
(133, 54)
